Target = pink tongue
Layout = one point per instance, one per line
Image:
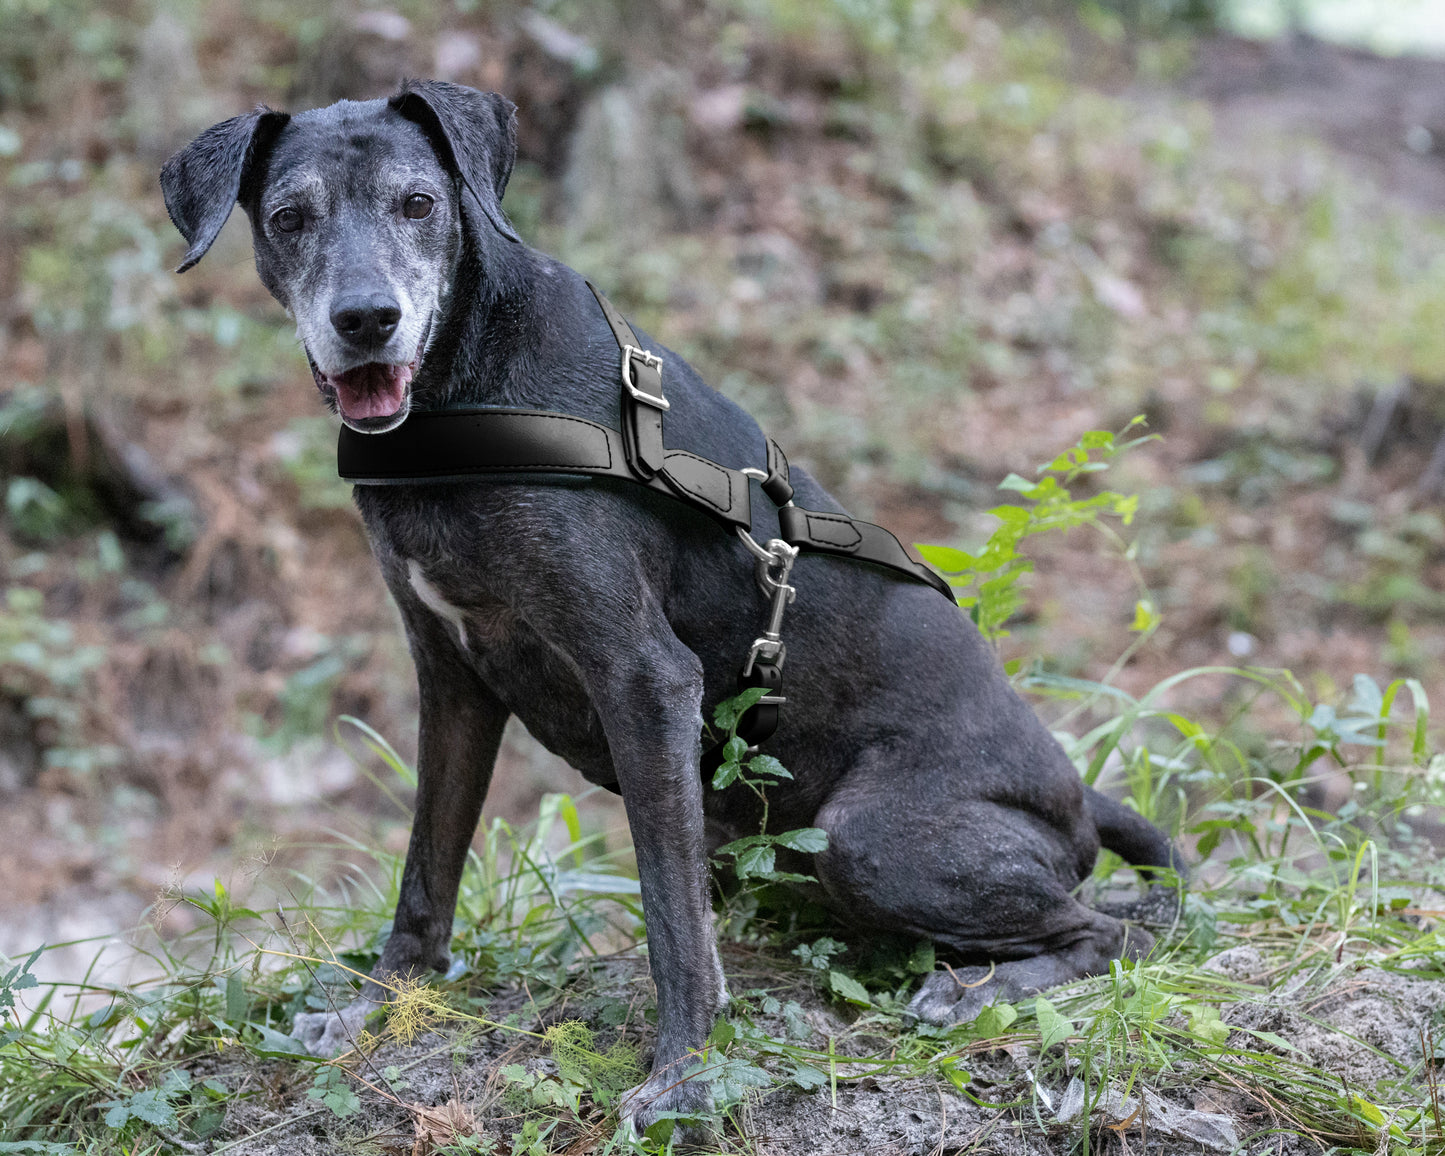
(373, 390)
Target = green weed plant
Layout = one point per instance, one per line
(754, 857)
(988, 581)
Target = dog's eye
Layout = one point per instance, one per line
(287, 220)
(417, 207)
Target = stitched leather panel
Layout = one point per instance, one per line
(700, 479)
(830, 530)
(851, 539)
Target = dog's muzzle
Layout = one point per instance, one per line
(373, 397)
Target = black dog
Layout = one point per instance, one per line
(609, 618)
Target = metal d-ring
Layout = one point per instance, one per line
(764, 557)
(774, 553)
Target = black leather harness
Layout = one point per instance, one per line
(457, 444)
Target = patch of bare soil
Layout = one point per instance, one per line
(1362, 1026)
(1384, 115)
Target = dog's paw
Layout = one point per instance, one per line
(326, 1033)
(954, 997)
(687, 1099)
(1159, 907)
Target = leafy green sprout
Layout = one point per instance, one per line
(988, 581)
(755, 856)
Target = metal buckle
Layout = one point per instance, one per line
(651, 360)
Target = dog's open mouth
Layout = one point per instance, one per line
(370, 395)
(373, 390)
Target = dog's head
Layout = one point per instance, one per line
(358, 215)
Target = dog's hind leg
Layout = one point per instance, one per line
(957, 995)
(990, 882)
(461, 729)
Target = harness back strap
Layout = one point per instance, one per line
(454, 445)
(643, 402)
(846, 537)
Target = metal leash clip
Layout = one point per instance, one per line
(764, 665)
(770, 647)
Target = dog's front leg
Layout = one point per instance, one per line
(460, 731)
(649, 700)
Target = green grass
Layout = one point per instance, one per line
(73, 1078)
(92, 1068)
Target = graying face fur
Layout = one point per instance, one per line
(357, 231)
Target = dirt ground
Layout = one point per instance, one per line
(1360, 1025)
(1386, 115)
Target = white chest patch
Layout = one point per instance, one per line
(433, 601)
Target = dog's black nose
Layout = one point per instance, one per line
(365, 320)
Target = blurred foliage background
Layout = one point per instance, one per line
(926, 242)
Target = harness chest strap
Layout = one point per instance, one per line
(453, 445)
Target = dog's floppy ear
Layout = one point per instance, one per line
(204, 180)
(475, 134)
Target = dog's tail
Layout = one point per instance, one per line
(1128, 834)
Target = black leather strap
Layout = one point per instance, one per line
(778, 485)
(809, 530)
(846, 537)
(620, 329)
(641, 417)
(760, 721)
(452, 445)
